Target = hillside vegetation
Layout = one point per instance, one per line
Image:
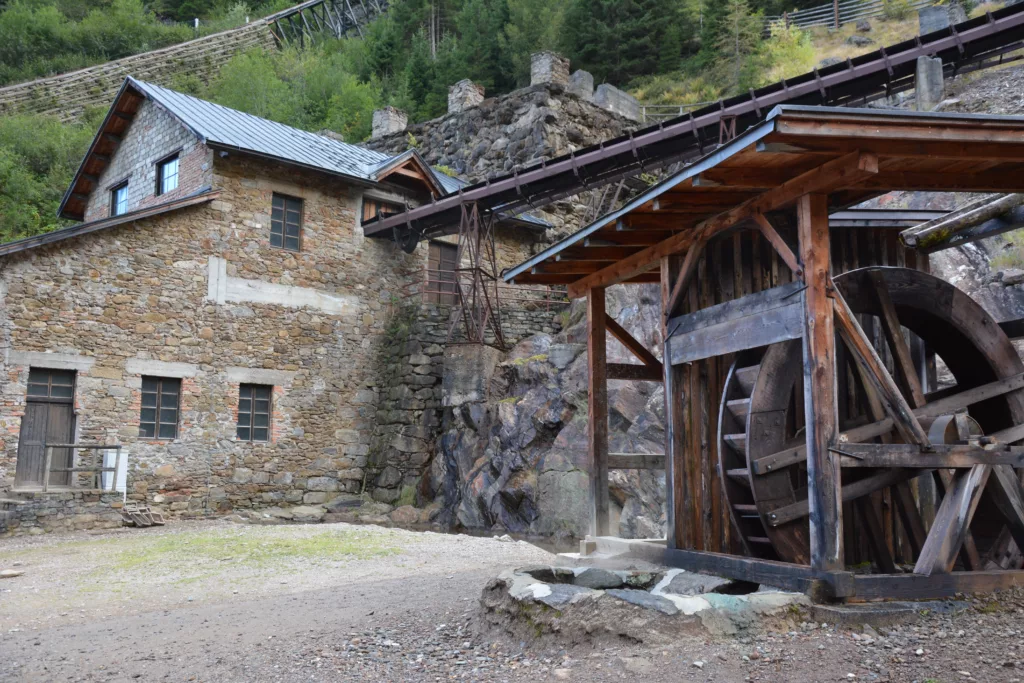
(664, 51)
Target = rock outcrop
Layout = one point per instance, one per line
(517, 460)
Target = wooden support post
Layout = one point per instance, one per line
(597, 353)
(685, 277)
(675, 453)
(46, 468)
(823, 478)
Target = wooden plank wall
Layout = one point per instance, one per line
(733, 266)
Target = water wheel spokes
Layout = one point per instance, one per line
(887, 512)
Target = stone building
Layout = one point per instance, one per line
(218, 313)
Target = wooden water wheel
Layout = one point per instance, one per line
(887, 512)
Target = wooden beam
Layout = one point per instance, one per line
(636, 373)
(596, 253)
(897, 342)
(685, 277)
(948, 456)
(767, 317)
(632, 345)
(674, 379)
(636, 461)
(851, 492)
(1008, 496)
(845, 171)
(779, 244)
(822, 421)
(784, 575)
(952, 521)
(917, 587)
(940, 406)
(866, 355)
(598, 410)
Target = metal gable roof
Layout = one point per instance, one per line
(221, 126)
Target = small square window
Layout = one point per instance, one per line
(158, 414)
(254, 412)
(286, 222)
(167, 175)
(119, 199)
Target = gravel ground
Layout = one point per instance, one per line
(335, 602)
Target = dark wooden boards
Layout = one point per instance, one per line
(598, 409)
(819, 354)
(766, 317)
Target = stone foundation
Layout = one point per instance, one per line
(61, 511)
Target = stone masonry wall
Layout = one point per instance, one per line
(153, 135)
(68, 95)
(65, 511)
(199, 294)
(512, 131)
(409, 410)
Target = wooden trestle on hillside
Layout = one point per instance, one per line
(807, 438)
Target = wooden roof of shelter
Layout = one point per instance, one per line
(849, 154)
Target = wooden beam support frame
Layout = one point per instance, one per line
(779, 244)
(597, 355)
(945, 404)
(846, 171)
(822, 420)
(632, 345)
(685, 277)
(867, 357)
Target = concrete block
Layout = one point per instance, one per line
(928, 83)
(463, 95)
(387, 121)
(549, 68)
(467, 373)
(618, 101)
(934, 18)
(581, 84)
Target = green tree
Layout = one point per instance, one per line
(38, 158)
(532, 25)
(249, 83)
(737, 42)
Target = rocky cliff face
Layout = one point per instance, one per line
(516, 459)
(510, 132)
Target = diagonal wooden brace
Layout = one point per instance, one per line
(889, 394)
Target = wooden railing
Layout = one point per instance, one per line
(440, 287)
(836, 13)
(96, 469)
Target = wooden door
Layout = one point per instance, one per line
(441, 267)
(49, 418)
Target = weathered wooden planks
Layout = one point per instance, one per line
(598, 409)
(767, 317)
(822, 424)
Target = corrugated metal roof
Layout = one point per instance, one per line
(220, 125)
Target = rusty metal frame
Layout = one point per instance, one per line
(476, 277)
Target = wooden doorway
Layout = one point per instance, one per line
(49, 418)
(441, 266)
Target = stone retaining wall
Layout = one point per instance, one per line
(68, 95)
(65, 511)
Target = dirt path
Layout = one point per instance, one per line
(218, 602)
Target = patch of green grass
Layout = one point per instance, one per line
(991, 607)
(407, 497)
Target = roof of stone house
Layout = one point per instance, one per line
(201, 196)
(228, 129)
